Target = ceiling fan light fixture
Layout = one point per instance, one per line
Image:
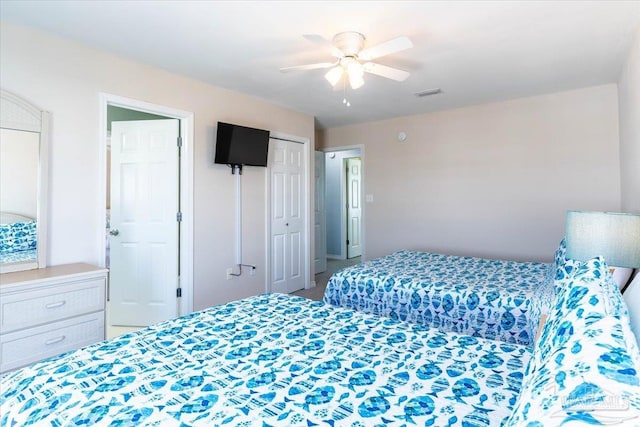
(334, 75)
(355, 81)
(356, 74)
(348, 48)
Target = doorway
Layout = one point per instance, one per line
(353, 167)
(331, 180)
(344, 195)
(149, 195)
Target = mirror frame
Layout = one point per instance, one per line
(17, 113)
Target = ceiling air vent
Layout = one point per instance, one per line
(428, 92)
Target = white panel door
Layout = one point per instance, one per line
(144, 229)
(320, 257)
(288, 257)
(354, 207)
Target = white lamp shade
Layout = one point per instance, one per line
(613, 236)
(333, 75)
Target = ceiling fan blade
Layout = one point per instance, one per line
(321, 41)
(384, 71)
(316, 38)
(308, 67)
(392, 46)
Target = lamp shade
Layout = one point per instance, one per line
(613, 236)
(356, 74)
(334, 75)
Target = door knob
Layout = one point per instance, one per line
(114, 232)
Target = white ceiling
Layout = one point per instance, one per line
(476, 52)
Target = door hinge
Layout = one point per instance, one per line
(179, 292)
(179, 142)
(179, 216)
(347, 241)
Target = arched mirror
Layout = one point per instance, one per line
(24, 135)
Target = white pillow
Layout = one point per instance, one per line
(621, 276)
(631, 296)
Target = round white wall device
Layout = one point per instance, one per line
(402, 136)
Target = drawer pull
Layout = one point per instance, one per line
(54, 340)
(55, 304)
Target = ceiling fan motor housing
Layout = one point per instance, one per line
(349, 42)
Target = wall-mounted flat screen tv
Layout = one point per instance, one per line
(240, 145)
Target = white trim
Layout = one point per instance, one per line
(43, 190)
(307, 213)
(186, 184)
(363, 193)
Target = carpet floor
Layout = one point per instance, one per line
(333, 265)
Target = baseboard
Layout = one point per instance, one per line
(338, 257)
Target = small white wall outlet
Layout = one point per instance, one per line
(229, 272)
(368, 198)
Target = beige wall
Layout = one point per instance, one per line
(66, 78)
(490, 180)
(629, 106)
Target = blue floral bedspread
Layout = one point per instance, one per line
(488, 298)
(273, 360)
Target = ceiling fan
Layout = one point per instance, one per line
(353, 60)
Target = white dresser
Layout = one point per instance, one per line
(50, 311)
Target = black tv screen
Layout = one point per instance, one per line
(240, 145)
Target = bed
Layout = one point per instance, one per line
(494, 299)
(18, 238)
(272, 360)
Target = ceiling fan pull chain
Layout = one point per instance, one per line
(344, 91)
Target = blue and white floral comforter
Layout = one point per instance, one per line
(488, 298)
(273, 360)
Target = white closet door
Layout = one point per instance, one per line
(288, 193)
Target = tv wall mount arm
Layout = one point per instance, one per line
(233, 169)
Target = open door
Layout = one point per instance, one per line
(320, 257)
(354, 207)
(143, 233)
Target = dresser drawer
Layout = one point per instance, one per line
(21, 348)
(21, 310)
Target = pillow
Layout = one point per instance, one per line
(585, 366)
(561, 252)
(632, 297)
(564, 267)
(592, 380)
(543, 320)
(621, 276)
(541, 303)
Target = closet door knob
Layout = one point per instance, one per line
(114, 232)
